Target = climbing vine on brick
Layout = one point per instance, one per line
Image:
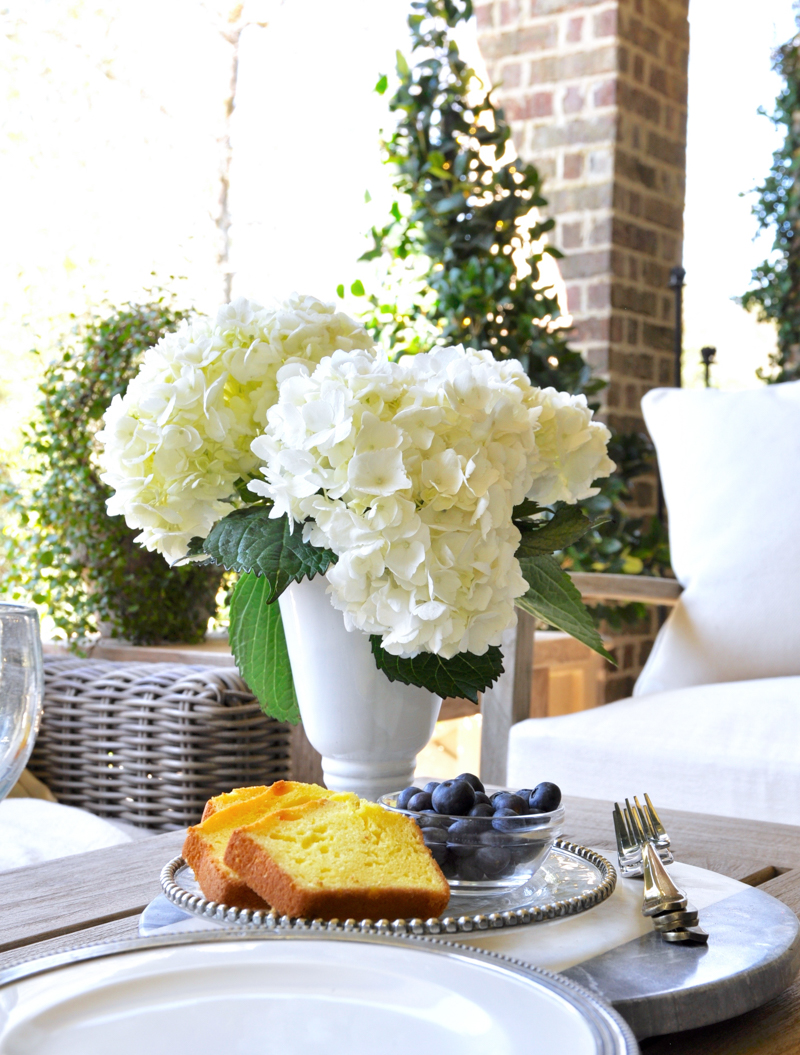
(775, 292)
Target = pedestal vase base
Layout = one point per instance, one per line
(370, 780)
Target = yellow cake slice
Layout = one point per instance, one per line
(205, 845)
(230, 798)
(339, 857)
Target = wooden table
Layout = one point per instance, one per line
(97, 896)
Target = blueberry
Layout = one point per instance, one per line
(493, 859)
(434, 835)
(419, 802)
(545, 797)
(506, 820)
(494, 838)
(429, 787)
(436, 841)
(405, 795)
(448, 867)
(468, 868)
(432, 820)
(481, 799)
(463, 835)
(523, 852)
(455, 797)
(472, 780)
(483, 809)
(505, 800)
(524, 793)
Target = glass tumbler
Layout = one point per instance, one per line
(21, 690)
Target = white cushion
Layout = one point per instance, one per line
(729, 750)
(729, 466)
(33, 830)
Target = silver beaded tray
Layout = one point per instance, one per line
(573, 879)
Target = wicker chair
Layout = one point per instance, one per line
(149, 743)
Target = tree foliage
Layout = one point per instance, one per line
(62, 549)
(775, 293)
(465, 217)
(455, 240)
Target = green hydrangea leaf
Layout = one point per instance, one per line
(553, 598)
(567, 525)
(463, 675)
(259, 648)
(249, 540)
(526, 508)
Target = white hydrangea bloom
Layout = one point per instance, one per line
(180, 436)
(409, 472)
(573, 449)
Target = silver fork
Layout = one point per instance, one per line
(628, 847)
(639, 831)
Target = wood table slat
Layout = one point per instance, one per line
(71, 893)
(127, 927)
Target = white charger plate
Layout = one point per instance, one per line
(298, 994)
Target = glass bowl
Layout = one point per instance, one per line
(486, 855)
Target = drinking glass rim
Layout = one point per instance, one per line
(19, 609)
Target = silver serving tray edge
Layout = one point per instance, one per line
(259, 920)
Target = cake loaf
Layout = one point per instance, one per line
(230, 798)
(339, 857)
(205, 844)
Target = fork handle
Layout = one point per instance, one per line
(660, 893)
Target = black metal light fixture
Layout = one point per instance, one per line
(708, 355)
(676, 277)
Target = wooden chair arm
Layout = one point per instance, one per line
(598, 586)
(509, 699)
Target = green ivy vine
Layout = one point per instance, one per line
(61, 549)
(775, 293)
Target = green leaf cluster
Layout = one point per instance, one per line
(775, 291)
(258, 644)
(60, 548)
(618, 541)
(269, 554)
(251, 540)
(464, 675)
(467, 215)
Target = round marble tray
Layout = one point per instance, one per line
(573, 879)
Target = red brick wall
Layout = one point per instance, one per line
(595, 91)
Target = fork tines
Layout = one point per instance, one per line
(634, 825)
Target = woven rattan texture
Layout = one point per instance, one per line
(149, 743)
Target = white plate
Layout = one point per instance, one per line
(296, 994)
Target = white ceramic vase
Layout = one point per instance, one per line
(367, 729)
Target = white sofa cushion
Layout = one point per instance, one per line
(728, 749)
(729, 467)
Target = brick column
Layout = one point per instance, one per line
(595, 92)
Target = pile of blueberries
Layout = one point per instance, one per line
(474, 836)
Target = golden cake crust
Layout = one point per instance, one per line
(216, 884)
(277, 886)
(229, 798)
(217, 881)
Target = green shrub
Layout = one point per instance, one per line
(775, 294)
(62, 550)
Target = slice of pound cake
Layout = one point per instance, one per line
(230, 798)
(339, 858)
(205, 845)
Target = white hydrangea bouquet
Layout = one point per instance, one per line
(430, 492)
